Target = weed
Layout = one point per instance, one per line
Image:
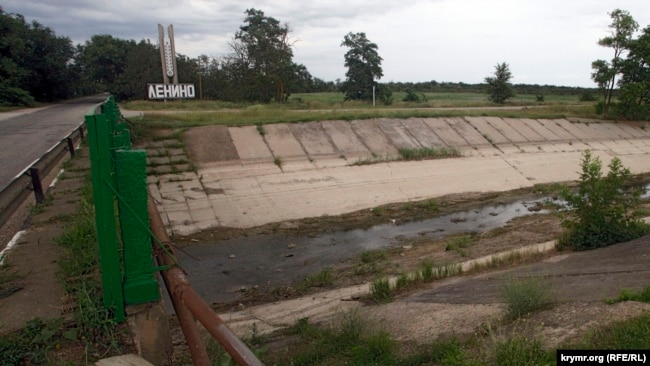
(381, 291)
(631, 295)
(260, 129)
(430, 204)
(520, 350)
(460, 243)
(525, 295)
(278, 161)
(628, 334)
(426, 271)
(323, 279)
(402, 282)
(428, 153)
(371, 256)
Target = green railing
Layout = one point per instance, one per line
(122, 220)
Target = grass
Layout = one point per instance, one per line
(459, 244)
(383, 290)
(631, 295)
(197, 113)
(322, 279)
(525, 295)
(92, 332)
(428, 153)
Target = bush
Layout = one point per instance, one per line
(587, 97)
(11, 96)
(526, 295)
(602, 209)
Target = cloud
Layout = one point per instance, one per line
(545, 42)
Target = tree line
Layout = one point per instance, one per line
(39, 66)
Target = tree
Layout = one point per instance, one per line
(364, 66)
(622, 28)
(602, 208)
(499, 88)
(261, 63)
(634, 84)
(34, 62)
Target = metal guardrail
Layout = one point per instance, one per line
(14, 194)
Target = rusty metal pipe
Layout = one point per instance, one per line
(180, 291)
(185, 318)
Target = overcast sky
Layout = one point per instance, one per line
(543, 41)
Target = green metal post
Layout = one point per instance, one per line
(140, 285)
(99, 141)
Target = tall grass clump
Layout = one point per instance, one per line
(381, 290)
(601, 211)
(428, 153)
(525, 295)
(522, 351)
(355, 340)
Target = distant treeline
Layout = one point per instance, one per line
(449, 87)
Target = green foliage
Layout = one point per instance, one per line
(631, 295)
(35, 63)
(428, 153)
(587, 97)
(628, 334)
(522, 351)
(381, 291)
(525, 295)
(622, 28)
(412, 96)
(459, 244)
(499, 87)
(31, 344)
(262, 59)
(364, 66)
(602, 208)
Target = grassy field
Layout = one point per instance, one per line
(330, 106)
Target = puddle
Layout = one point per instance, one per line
(220, 271)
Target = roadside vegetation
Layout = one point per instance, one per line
(90, 332)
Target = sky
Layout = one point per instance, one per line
(543, 41)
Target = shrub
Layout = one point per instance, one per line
(602, 209)
(587, 97)
(525, 295)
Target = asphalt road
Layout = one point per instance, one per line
(26, 135)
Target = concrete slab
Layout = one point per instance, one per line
(447, 134)
(506, 129)
(333, 191)
(422, 133)
(537, 168)
(576, 130)
(397, 134)
(540, 129)
(556, 127)
(313, 139)
(373, 137)
(591, 132)
(282, 142)
(523, 129)
(346, 141)
(621, 147)
(209, 144)
(490, 133)
(250, 145)
(614, 130)
(467, 131)
(634, 130)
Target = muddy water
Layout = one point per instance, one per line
(220, 271)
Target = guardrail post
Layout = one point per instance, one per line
(99, 141)
(70, 147)
(37, 186)
(140, 285)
